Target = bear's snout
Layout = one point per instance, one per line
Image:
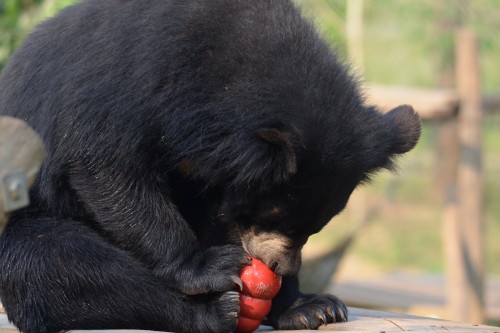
(276, 250)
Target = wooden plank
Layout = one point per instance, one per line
(424, 295)
(363, 320)
(21, 153)
(429, 103)
(360, 320)
(20, 148)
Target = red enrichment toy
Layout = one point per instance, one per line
(260, 286)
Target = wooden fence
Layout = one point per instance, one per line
(459, 113)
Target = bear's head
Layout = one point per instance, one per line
(311, 174)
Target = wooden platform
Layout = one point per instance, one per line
(412, 293)
(360, 320)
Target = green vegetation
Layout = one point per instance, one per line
(411, 42)
(19, 17)
(405, 43)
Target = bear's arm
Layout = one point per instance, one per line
(135, 212)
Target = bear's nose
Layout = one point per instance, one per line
(287, 266)
(273, 265)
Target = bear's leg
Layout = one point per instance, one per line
(59, 275)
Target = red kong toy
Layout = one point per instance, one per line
(260, 286)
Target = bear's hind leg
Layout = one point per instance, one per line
(59, 275)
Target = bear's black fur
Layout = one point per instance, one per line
(182, 137)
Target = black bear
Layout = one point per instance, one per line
(183, 137)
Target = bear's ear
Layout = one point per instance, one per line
(405, 126)
(286, 142)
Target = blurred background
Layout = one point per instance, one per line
(426, 239)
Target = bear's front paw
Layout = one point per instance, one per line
(225, 310)
(215, 313)
(216, 270)
(311, 312)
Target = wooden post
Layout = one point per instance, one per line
(354, 30)
(449, 151)
(465, 255)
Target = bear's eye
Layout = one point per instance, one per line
(272, 212)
